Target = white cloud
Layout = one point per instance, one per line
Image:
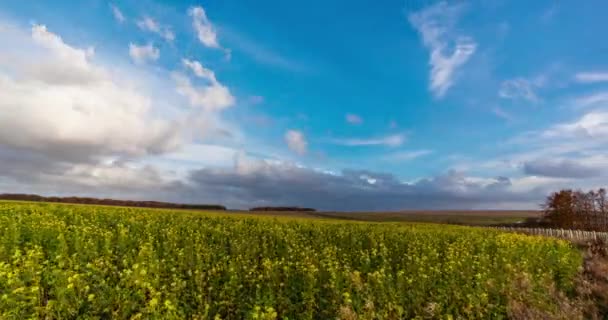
(143, 53)
(593, 126)
(408, 155)
(573, 151)
(71, 124)
(599, 99)
(114, 175)
(204, 29)
(449, 50)
(71, 107)
(118, 15)
(591, 77)
(394, 140)
(296, 141)
(198, 70)
(264, 55)
(212, 97)
(521, 88)
(353, 119)
(64, 64)
(149, 24)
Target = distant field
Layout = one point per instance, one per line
(477, 218)
(459, 217)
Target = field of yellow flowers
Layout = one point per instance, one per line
(86, 262)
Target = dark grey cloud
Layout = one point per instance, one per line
(560, 169)
(280, 184)
(27, 171)
(251, 183)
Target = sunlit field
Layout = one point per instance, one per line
(87, 262)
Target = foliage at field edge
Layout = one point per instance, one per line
(66, 262)
(570, 209)
(110, 202)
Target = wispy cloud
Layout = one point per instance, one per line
(296, 141)
(353, 119)
(408, 155)
(199, 70)
(591, 77)
(436, 25)
(212, 97)
(205, 30)
(501, 113)
(261, 53)
(143, 53)
(148, 24)
(598, 99)
(118, 15)
(521, 88)
(394, 140)
(592, 126)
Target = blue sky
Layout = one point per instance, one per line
(354, 105)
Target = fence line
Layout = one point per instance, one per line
(568, 234)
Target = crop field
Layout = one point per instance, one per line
(476, 218)
(87, 262)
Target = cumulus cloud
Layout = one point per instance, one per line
(213, 96)
(56, 100)
(566, 154)
(118, 15)
(198, 70)
(108, 177)
(148, 24)
(449, 50)
(592, 126)
(393, 140)
(143, 53)
(72, 125)
(296, 141)
(205, 30)
(353, 119)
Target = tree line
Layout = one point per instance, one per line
(575, 209)
(110, 202)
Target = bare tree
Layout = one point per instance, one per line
(577, 210)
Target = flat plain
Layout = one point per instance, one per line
(461, 217)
